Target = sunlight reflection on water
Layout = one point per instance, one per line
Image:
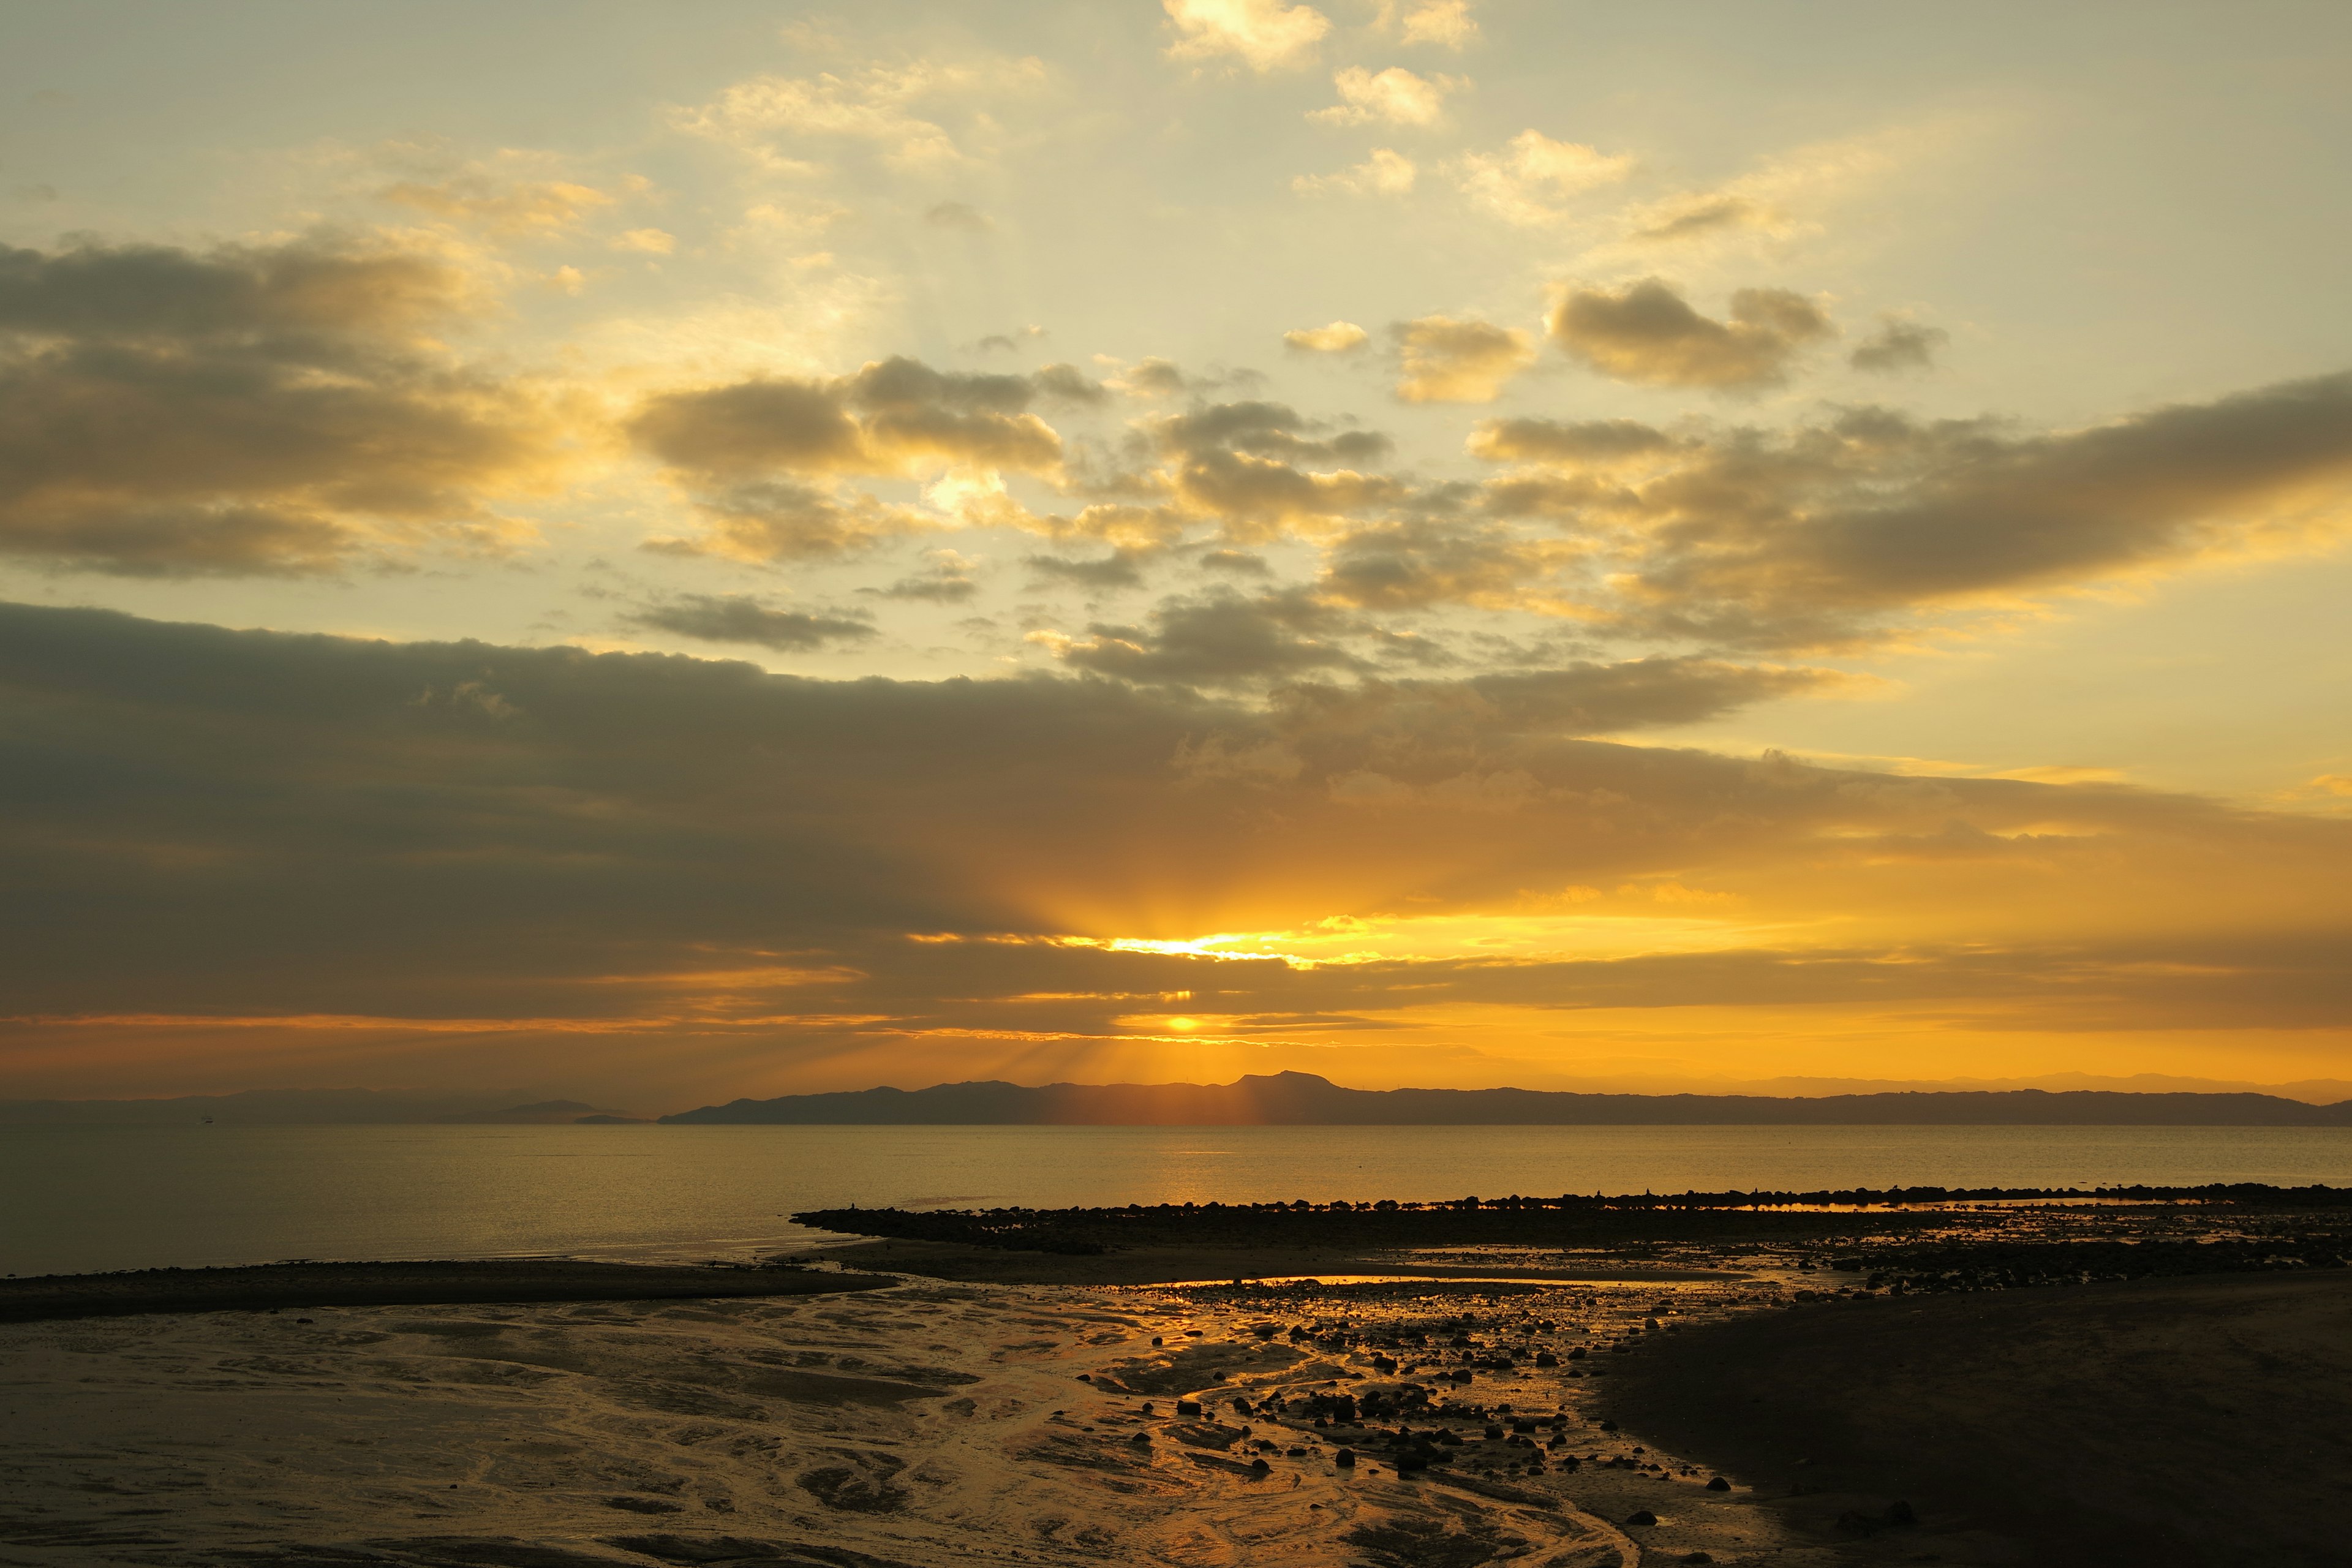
(74, 1199)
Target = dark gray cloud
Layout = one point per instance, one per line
(202, 823)
(760, 456)
(1899, 345)
(1646, 331)
(1120, 569)
(740, 618)
(245, 411)
(1217, 640)
(1825, 533)
(1422, 561)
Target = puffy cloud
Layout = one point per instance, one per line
(762, 521)
(1523, 183)
(1446, 23)
(1445, 360)
(740, 618)
(1647, 331)
(252, 410)
(1241, 462)
(1387, 173)
(1339, 338)
(1420, 562)
(875, 107)
(728, 445)
(1220, 640)
(1822, 533)
(1267, 35)
(1393, 97)
(1899, 345)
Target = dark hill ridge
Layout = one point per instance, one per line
(1304, 1100)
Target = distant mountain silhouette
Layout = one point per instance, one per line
(296, 1107)
(1305, 1100)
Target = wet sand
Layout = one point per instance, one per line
(923, 1425)
(1506, 1405)
(2176, 1422)
(274, 1287)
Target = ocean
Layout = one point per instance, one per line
(86, 1199)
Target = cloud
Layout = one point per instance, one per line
(1339, 338)
(1120, 569)
(1219, 640)
(1524, 182)
(960, 215)
(646, 865)
(1899, 345)
(1446, 23)
(875, 106)
(501, 206)
(1243, 463)
(1647, 331)
(1387, 173)
(730, 445)
(253, 410)
(763, 521)
(1590, 444)
(945, 579)
(1445, 360)
(1393, 97)
(645, 241)
(1418, 563)
(1823, 533)
(740, 618)
(1267, 35)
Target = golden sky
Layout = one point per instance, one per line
(656, 555)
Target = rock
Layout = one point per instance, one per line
(1142, 1440)
(1545, 1358)
(1576, 1353)
(1718, 1485)
(1188, 1408)
(1641, 1516)
(1260, 1468)
(1900, 1512)
(1609, 1426)
(1696, 1557)
(1344, 1459)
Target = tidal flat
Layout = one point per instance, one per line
(1653, 1394)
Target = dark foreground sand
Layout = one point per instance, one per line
(2175, 1423)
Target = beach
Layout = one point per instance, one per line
(1747, 1394)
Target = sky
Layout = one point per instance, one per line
(664, 553)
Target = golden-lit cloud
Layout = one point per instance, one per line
(1265, 35)
(1393, 97)
(1387, 173)
(1525, 181)
(655, 850)
(255, 410)
(1339, 338)
(1646, 331)
(1447, 360)
(1446, 22)
(894, 109)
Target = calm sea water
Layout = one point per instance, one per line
(90, 1198)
